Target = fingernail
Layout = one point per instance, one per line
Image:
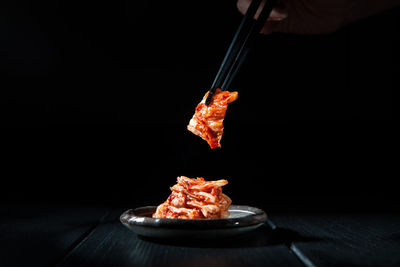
(278, 14)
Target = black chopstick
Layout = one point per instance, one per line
(240, 45)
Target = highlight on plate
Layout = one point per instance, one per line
(195, 199)
(207, 122)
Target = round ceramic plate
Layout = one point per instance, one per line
(242, 219)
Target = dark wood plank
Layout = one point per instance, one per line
(111, 244)
(42, 234)
(343, 240)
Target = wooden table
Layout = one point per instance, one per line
(71, 235)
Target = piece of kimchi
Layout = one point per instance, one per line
(195, 199)
(207, 121)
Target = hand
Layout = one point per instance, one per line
(317, 16)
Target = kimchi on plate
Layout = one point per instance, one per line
(207, 121)
(195, 199)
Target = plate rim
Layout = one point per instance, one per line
(132, 218)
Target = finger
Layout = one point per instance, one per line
(274, 26)
(243, 5)
(275, 22)
(277, 13)
(267, 28)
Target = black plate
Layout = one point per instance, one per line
(242, 219)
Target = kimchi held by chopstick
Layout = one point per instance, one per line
(207, 122)
(195, 199)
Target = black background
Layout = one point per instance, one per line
(95, 99)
